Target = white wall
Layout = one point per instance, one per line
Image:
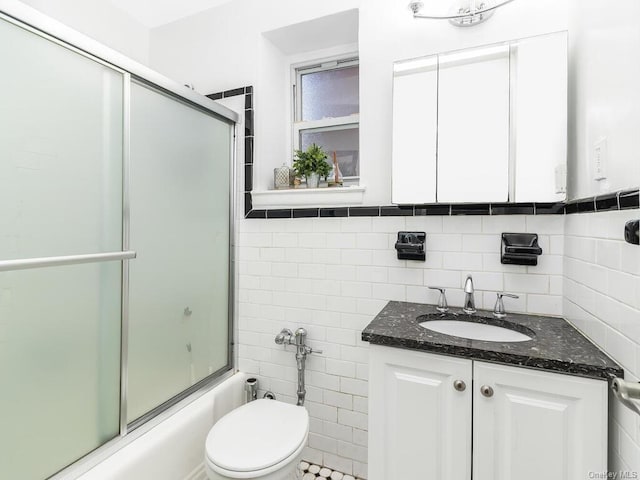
(333, 275)
(604, 99)
(602, 298)
(223, 48)
(602, 273)
(101, 21)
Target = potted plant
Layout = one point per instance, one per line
(312, 165)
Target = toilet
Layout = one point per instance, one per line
(262, 440)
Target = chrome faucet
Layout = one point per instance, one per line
(498, 309)
(299, 339)
(469, 306)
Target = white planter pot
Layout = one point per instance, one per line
(313, 180)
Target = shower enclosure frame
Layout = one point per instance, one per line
(51, 30)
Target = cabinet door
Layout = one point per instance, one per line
(419, 424)
(537, 425)
(415, 127)
(539, 67)
(473, 125)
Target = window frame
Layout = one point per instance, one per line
(298, 126)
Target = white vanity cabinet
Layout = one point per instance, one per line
(507, 423)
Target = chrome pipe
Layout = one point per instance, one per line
(251, 389)
(299, 339)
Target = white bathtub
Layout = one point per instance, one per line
(174, 449)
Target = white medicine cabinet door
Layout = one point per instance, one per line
(473, 126)
(419, 424)
(539, 135)
(537, 425)
(415, 127)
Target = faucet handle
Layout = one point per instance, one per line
(442, 301)
(498, 310)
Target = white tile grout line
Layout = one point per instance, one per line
(316, 472)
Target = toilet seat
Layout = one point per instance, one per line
(257, 438)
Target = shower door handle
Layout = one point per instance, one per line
(25, 264)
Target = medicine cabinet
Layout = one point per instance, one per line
(485, 124)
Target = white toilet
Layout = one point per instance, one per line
(262, 440)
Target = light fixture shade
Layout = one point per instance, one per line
(464, 13)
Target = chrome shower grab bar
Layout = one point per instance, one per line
(24, 264)
(628, 393)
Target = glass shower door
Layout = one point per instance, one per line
(61, 123)
(179, 317)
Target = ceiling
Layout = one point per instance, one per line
(154, 13)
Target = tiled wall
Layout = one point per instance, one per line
(602, 298)
(333, 275)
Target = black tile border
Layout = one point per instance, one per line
(621, 200)
(624, 200)
(471, 209)
(627, 199)
(249, 140)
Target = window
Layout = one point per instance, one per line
(327, 109)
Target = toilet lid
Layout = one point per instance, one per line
(257, 435)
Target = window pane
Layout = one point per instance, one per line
(345, 142)
(180, 228)
(59, 365)
(330, 93)
(61, 150)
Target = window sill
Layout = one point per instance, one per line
(311, 197)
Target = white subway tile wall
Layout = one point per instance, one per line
(333, 275)
(602, 298)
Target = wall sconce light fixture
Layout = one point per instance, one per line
(466, 14)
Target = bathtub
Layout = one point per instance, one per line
(174, 448)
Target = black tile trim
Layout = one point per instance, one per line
(442, 209)
(629, 199)
(305, 212)
(397, 211)
(364, 211)
(622, 200)
(233, 92)
(471, 209)
(248, 145)
(334, 212)
(512, 209)
(248, 177)
(553, 208)
(607, 202)
(279, 213)
(256, 214)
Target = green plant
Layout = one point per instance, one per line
(314, 160)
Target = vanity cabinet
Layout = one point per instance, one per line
(434, 417)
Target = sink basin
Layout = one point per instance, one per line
(475, 328)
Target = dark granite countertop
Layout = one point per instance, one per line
(556, 345)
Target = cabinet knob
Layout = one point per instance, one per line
(459, 385)
(486, 390)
